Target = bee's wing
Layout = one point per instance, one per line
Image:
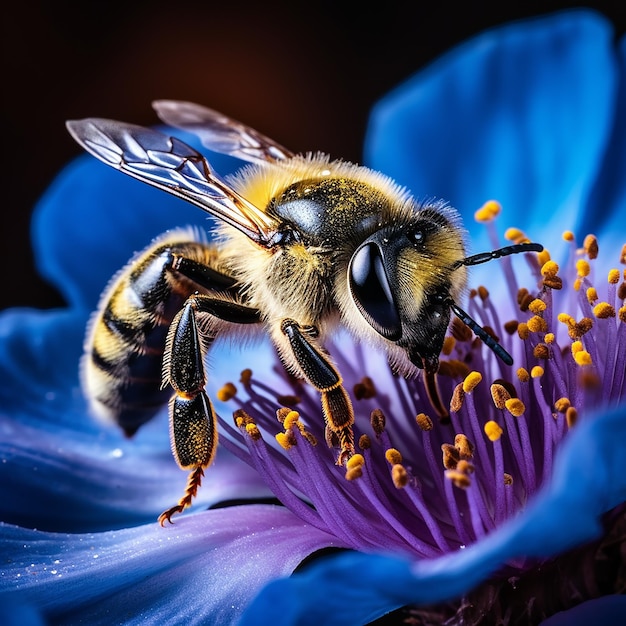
(219, 132)
(170, 164)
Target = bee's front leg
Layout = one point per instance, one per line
(322, 374)
(193, 422)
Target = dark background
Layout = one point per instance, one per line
(306, 74)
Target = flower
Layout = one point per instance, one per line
(78, 502)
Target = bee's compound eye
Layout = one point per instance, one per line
(372, 293)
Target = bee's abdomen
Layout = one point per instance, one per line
(122, 365)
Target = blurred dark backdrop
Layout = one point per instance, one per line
(305, 74)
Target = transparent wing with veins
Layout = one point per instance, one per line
(169, 164)
(219, 132)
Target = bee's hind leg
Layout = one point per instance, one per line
(193, 422)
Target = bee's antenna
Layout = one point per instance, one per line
(483, 257)
(481, 333)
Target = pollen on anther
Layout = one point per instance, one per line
(543, 257)
(377, 420)
(365, 443)
(285, 440)
(488, 211)
(549, 338)
(226, 392)
(583, 268)
(537, 324)
(399, 476)
(516, 235)
(549, 269)
(451, 456)
(622, 314)
(571, 415)
(582, 358)
(459, 479)
(448, 345)
(483, 292)
(613, 276)
(291, 419)
(537, 306)
(541, 351)
(499, 395)
(603, 310)
(562, 404)
(253, 431)
(356, 460)
(458, 395)
(523, 331)
(590, 245)
(493, 430)
(523, 375)
(471, 381)
(508, 479)
(464, 446)
(246, 376)
(393, 456)
(537, 371)
(424, 422)
(515, 407)
(592, 295)
(568, 235)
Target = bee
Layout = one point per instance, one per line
(304, 244)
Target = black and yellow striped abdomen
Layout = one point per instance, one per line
(122, 365)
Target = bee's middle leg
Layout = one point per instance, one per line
(322, 374)
(193, 422)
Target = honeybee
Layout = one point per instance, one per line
(304, 244)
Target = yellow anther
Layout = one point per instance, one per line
(590, 246)
(515, 234)
(245, 376)
(583, 268)
(622, 257)
(227, 392)
(488, 211)
(622, 314)
(493, 430)
(253, 431)
(537, 306)
(465, 466)
(464, 446)
(582, 358)
(515, 407)
(603, 310)
(291, 419)
(562, 404)
(393, 456)
(448, 345)
(549, 338)
(284, 440)
(543, 257)
(241, 418)
(550, 269)
(523, 331)
(613, 276)
(568, 235)
(537, 324)
(537, 371)
(592, 295)
(424, 422)
(399, 476)
(356, 460)
(471, 380)
(577, 346)
(523, 375)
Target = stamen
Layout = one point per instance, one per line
(583, 268)
(424, 422)
(562, 404)
(592, 295)
(537, 324)
(571, 416)
(471, 381)
(537, 306)
(456, 402)
(451, 455)
(493, 430)
(377, 420)
(393, 456)
(537, 371)
(227, 392)
(523, 375)
(399, 476)
(613, 277)
(590, 246)
(365, 389)
(568, 235)
(603, 311)
(515, 407)
(488, 211)
(464, 446)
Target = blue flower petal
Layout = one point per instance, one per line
(372, 585)
(92, 219)
(522, 114)
(203, 570)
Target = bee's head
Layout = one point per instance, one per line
(405, 280)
